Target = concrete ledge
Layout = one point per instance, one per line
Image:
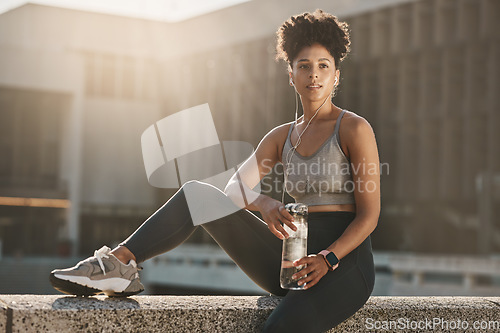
(38, 313)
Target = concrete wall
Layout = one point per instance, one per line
(180, 314)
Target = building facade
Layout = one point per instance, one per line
(77, 89)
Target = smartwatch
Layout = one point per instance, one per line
(330, 258)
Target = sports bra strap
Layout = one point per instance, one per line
(335, 132)
(289, 132)
(337, 126)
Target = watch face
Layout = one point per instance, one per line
(332, 259)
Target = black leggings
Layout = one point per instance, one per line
(250, 244)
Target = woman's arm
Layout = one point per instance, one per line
(240, 187)
(249, 174)
(365, 169)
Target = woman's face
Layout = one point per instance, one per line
(313, 73)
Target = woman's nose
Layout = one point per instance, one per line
(313, 74)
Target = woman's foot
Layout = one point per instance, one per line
(101, 273)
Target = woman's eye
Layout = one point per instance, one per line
(303, 66)
(323, 66)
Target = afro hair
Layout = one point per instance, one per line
(309, 28)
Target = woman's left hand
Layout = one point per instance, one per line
(315, 270)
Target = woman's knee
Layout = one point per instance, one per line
(200, 195)
(193, 184)
(196, 189)
(196, 185)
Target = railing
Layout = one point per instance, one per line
(424, 274)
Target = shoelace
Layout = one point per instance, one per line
(103, 253)
(99, 254)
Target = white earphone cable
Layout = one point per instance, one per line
(299, 140)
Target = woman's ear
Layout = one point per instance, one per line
(291, 78)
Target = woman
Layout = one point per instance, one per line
(342, 192)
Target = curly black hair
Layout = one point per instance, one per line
(309, 28)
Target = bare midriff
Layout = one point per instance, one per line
(332, 208)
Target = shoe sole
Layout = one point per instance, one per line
(72, 288)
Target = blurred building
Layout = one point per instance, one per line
(426, 75)
(77, 89)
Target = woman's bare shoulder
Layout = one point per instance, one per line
(352, 123)
(276, 137)
(355, 131)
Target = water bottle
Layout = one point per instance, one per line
(294, 247)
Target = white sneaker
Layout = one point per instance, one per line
(101, 273)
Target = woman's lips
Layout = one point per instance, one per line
(314, 86)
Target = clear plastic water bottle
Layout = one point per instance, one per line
(294, 247)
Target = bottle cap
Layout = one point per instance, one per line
(297, 208)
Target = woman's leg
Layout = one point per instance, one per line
(242, 235)
(324, 306)
(338, 295)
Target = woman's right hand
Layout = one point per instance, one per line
(274, 213)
